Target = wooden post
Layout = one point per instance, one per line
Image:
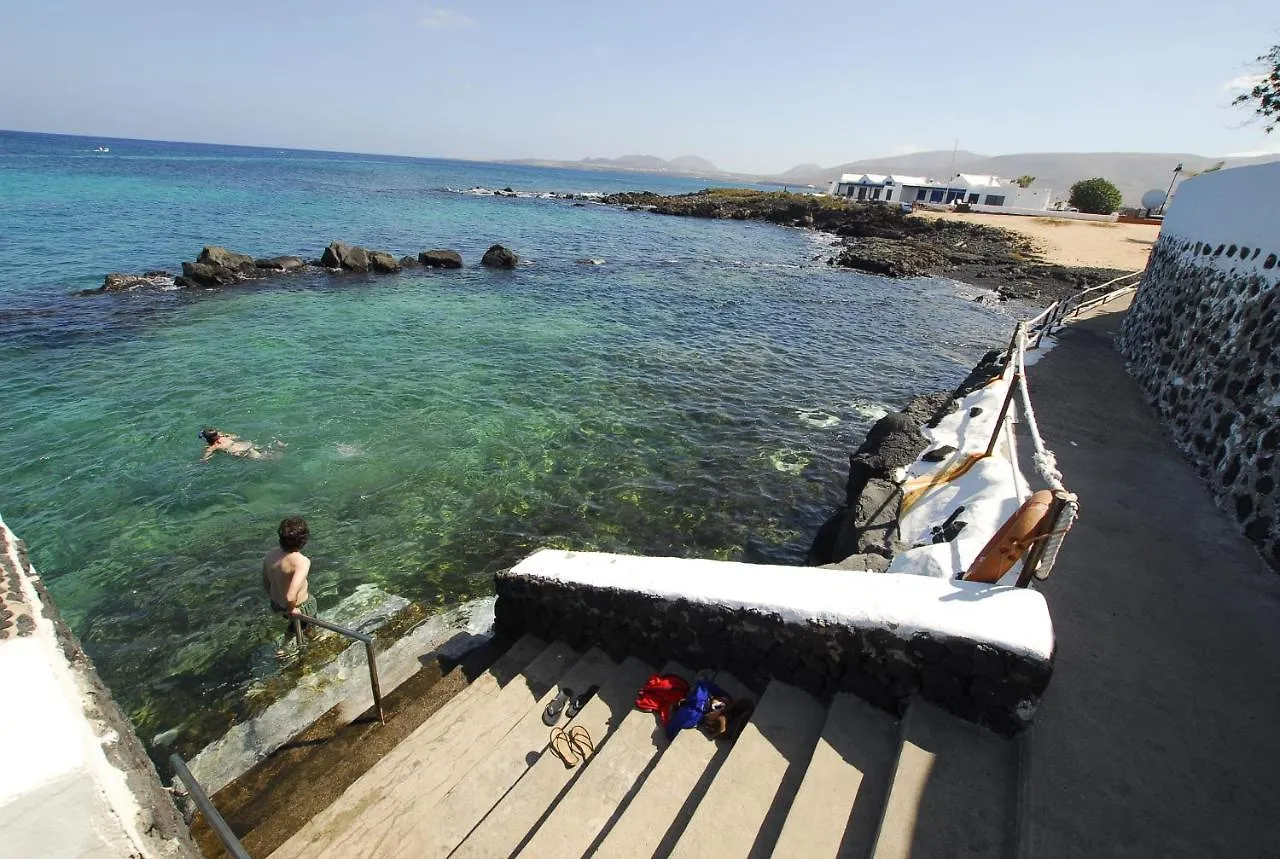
(1004, 410)
(1031, 560)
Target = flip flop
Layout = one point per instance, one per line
(551, 714)
(576, 705)
(565, 754)
(580, 741)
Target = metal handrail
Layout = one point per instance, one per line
(370, 652)
(215, 820)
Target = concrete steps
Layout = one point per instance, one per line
(518, 816)
(438, 829)
(600, 790)
(745, 807)
(954, 791)
(837, 810)
(427, 764)
(803, 779)
(661, 806)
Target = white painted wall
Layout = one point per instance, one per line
(59, 794)
(1042, 213)
(1012, 618)
(1028, 198)
(1240, 206)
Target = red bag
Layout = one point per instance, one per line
(661, 693)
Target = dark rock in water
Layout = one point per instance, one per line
(442, 259)
(991, 366)
(928, 409)
(890, 257)
(343, 255)
(870, 526)
(822, 551)
(217, 256)
(383, 261)
(332, 256)
(156, 273)
(409, 262)
(116, 282)
(204, 274)
(939, 453)
(894, 441)
(499, 257)
(280, 263)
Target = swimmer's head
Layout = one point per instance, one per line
(210, 435)
(293, 533)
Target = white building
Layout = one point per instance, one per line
(962, 188)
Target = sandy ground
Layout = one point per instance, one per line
(1073, 243)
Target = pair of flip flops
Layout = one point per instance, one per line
(551, 714)
(573, 747)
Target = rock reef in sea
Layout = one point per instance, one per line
(217, 266)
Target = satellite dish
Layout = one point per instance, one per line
(1153, 199)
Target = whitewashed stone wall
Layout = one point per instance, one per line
(75, 781)
(1203, 339)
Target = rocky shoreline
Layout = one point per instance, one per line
(880, 238)
(863, 532)
(217, 267)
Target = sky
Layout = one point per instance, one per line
(753, 86)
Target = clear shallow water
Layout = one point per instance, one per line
(695, 395)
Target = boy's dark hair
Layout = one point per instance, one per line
(293, 534)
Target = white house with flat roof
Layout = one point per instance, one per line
(962, 188)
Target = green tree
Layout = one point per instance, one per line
(1264, 98)
(1024, 181)
(1096, 196)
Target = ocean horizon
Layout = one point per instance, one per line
(639, 384)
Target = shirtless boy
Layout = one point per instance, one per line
(284, 577)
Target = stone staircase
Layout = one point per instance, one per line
(477, 779)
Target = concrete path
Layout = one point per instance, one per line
(1158, 734)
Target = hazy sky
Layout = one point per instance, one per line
(751, 85)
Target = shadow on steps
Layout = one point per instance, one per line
(272, 801)
(953, 792)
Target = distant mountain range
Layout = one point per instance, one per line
(685, 164)
(1134, 173)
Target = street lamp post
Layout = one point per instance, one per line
(1176, 171)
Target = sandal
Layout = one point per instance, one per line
(576, 705)
(551, 714)
(565, 753)
(580, 741)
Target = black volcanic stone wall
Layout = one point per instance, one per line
(976, 681)
(1204, 343)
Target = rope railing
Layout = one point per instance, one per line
(1041, 557)
(1054, 316)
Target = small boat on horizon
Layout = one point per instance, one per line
(102, 149)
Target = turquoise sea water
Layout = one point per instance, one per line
(695, 395)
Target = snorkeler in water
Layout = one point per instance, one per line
(216, 440)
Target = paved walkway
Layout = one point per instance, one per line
(1159, 735)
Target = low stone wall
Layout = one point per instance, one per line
(985, 681)
(1202, 338)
